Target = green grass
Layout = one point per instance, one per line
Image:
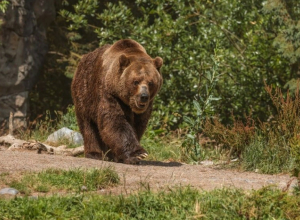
(161, 148)
(53, 180)
(260, 155)
(181, 203)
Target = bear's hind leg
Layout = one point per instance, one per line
(92, 141)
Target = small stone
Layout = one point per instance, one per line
(14, 146)
(83, 188)
(10, 191)
(207, 163)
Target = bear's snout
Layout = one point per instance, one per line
(144, 94)
(144, 97)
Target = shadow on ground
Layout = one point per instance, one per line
(160, 164)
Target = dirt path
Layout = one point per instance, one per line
(156, 175)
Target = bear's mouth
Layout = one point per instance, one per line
(137, 106)
(141, 105)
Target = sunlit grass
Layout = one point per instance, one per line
(54, 180)
(162, 147)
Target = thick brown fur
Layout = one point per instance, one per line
(113, 91)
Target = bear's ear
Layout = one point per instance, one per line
(124, 61)
(158, 62)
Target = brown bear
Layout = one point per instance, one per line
(113, 91)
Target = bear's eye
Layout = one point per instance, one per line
(136, 82)
(150, 83)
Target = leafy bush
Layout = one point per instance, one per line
(204, 108)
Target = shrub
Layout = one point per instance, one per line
(277, 144)
(203, 107)
(234, 137)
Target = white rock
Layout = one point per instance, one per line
(10, 191)
(66, 133)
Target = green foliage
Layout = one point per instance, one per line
(181, 203)
(285, 19)
(3, 5)
(69, 119)
(186, 34)
(66, 180)
(203, 104)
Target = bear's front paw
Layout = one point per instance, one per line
(136, 159)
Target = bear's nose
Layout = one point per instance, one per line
(144, 97)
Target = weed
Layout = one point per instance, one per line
(286, 122)
(69, 119)
(234, 138)
(39, 129)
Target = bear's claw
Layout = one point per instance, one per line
(142, 156)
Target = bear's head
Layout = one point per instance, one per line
(139, 82)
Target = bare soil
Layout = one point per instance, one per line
(149, 174)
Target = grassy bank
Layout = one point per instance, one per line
(181, 203)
